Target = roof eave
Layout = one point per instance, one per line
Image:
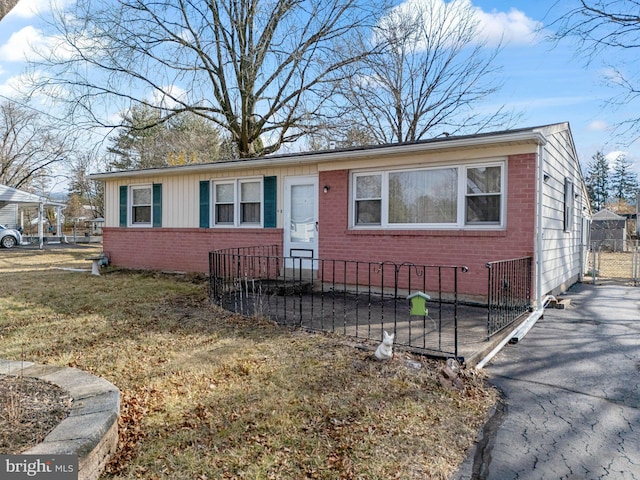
(528, 136)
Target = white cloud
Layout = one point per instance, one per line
(611, 156)
(165, 98)
(598, 126)
(14, 86)
(21, 44)
(512, 27)
(494, 28)
(34, 8)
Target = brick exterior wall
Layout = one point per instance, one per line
(472, 248)
(186, 250)
(179, 249)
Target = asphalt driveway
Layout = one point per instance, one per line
(571, 407)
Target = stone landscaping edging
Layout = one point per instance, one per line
(91, 429)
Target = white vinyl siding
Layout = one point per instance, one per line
(563, 201)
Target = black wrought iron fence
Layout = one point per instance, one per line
(509, 292)
(355, 298)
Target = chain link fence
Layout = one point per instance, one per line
(614, 261)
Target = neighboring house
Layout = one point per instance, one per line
(464, 200)
(609, 231)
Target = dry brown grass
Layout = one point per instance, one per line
(210, 395)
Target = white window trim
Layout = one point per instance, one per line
(460, 224)
(484, 225)
(130, 206)
(236, 182)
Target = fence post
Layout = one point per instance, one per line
(594, 267)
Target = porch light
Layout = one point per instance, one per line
(326, 188)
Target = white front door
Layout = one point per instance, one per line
(301, 219)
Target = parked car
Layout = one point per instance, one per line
(9, 237)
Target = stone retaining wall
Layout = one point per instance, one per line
(91, 429)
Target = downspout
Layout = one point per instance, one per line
(539, 229)
(521, 330)
(40, 217)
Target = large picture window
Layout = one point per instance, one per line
(237, 202)
(443, 197)
(423, 196)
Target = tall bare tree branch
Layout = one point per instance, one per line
(29, 146)
(428, 76)
(607, 31)
(255, 68)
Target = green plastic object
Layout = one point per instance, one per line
(419, 304)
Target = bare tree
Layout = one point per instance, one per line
(29, 147)
(81, 187)
(605, 30)
(255, 68)
(429, 75)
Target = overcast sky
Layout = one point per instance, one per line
(547, 83)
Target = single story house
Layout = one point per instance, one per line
(609, 230)
(457, 200)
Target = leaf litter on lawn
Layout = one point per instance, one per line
(208, 394)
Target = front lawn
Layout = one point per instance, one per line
(210, 395)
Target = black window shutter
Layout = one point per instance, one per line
(157, 205)
(123, 205)
(205, 208)
(270, 201)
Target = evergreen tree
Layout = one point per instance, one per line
(624, 182)
(597, 181)
(147, 141)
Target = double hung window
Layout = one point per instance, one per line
(237, 202)
(141, 202)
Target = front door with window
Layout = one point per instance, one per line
(301, 220)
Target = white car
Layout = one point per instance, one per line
(9, 237)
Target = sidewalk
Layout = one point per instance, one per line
(571, 406)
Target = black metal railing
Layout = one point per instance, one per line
(355, 298)
(509, 292)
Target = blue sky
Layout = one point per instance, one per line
(546, 83)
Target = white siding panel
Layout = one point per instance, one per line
(181, 193)
(562, 251)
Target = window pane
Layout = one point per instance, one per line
(250, 213)
(224, 193)
(483, 209)
(224, 213)
(368, 212)
(141, 214)
(483, 180)
(141, 196)
(426, 196)
(303, 213)
(369, 186)
(250, 192)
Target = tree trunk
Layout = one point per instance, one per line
(6, 6)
